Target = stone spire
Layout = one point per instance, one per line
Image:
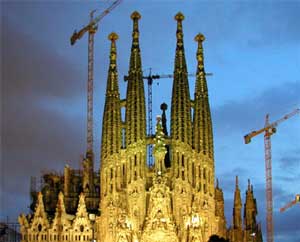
(81, 209)
(60, 218)
(81, 221)
(159, 149)
(237, 220)
(135, 97)
(219, 201)
(181, 125)
(219, 210)
(40, 216)
(111, 129)
(202, 124)
(250, 210)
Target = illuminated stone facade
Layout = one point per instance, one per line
(174, 200)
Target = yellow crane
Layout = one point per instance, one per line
(290, 204)
(269, 130)
(91, 28)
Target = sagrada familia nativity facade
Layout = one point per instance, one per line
(174, 200)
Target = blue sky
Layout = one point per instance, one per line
(252, 48)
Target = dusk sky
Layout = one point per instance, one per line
(251, 47)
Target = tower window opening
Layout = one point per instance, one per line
(81, 228)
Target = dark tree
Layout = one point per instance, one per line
(216, 238)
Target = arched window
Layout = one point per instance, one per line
(81, 229)
(39, 227)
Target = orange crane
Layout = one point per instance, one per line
(91, 28)
(290, 204)
(269, 130)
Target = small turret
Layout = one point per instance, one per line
(219, 211)
(159, 149)
(250, 210)
(237, 219)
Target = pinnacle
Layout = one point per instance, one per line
(135, 15)
(237, 181)
(179, 16)
(199, 37)
(113, 36)
(164, 106)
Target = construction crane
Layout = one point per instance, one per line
(269, 130)
(290, 204)
(150, 79)
(91, 28)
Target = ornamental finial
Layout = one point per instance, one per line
(179, 16)
(199, 38)
(113, 36)
(135, 15)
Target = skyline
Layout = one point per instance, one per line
(254, 73)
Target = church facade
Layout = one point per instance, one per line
(174, 200)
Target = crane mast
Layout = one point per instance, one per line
(91, 28)
(150, 79)
(269, 189)
(90, 87)
(269, 130)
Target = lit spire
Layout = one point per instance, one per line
(250, 209)
(181, 125)
(202, 124)
(135, 97)
(111, 129)
(237, 219)
(40, 216)
(60, 218)
(159, 149)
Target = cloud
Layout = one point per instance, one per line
(291, 160)
(42, 114)
(243, 115)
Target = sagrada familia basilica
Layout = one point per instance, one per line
(174, 200)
